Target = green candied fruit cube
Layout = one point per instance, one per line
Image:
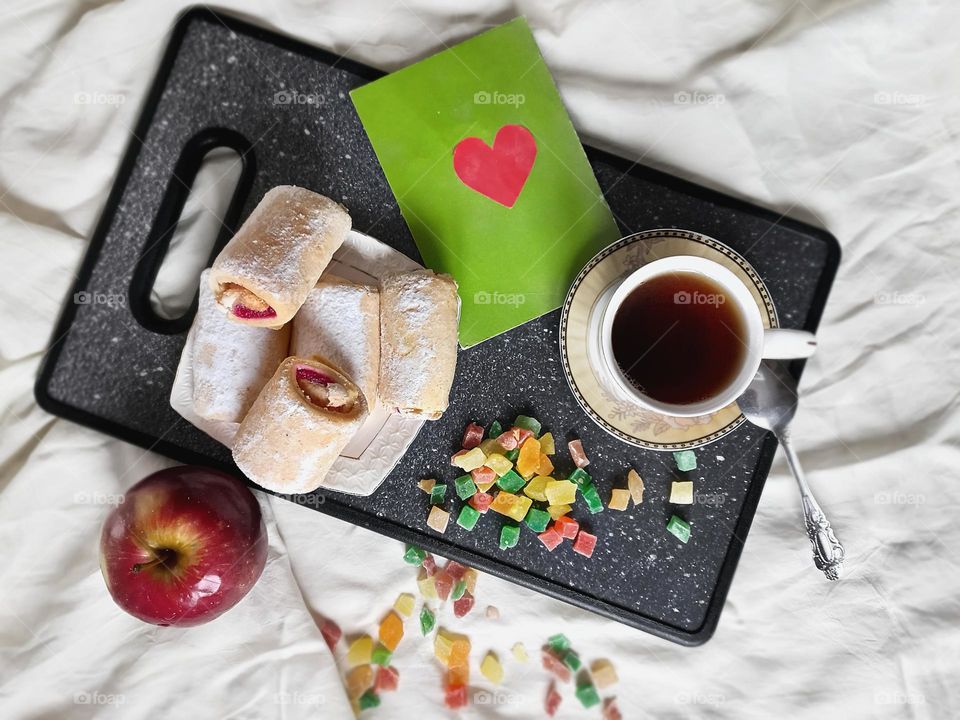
(580, 476)
(468, 517)
(414, 555)
(512, 455)
(371, 700)
(537, 520)
(528, 423)
(572, 660)
(685, 460)
(679, 528)
(509, 536)
(465, 487)
(559, 642)
(380, 656)
(495, 430)
(511, 481)
(592, 498)
(427, 620)
(587, 694)
(458, 590)
(437, 494)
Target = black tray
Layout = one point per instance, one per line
(112, 367)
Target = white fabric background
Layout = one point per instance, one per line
(841, 112)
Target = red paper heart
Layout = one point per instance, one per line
(499, 172)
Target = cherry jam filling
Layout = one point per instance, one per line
(245, 313)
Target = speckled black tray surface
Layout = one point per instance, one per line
(112, 368)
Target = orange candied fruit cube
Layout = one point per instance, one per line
(529, 458)
(391, 630)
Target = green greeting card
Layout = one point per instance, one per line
(489, 175)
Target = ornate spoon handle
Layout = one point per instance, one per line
(828, 553)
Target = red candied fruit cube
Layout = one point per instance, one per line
(521, 433)
(464, 605)
(429, 565)
(481, 501)
(455, 569)
(443, 582)
(472, 436)
(455, 696)
(585, 543)
(551, 538)
(610, 710)
(508, 440)
(387, 679)
(566, 526)
(552, 701)
(483, 475)
(331, 633)
(554, 665)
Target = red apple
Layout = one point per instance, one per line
(185, 546)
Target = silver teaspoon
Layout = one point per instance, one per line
(770, 402)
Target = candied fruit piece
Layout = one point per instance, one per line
(587, 694)
(331, 632)
(427, 586)
(561, 492)
(426, 485)
(603, 673)
(522, 434)
(359, 651)
(499, 464)
(577, 454)
(472, 436)
(391, 630)
(459, 652)
(458, 590)
(592, 498)
(455, 696)
(442, 645)
(529, 458)
(610, 710)
(553, 699)
(585, 543)
(495, 429)
(438, 519)
(414, 555)
(554, 665)
(572, 660)
(547, 446)
(443, 581)
(492, 612)
(470, 578)
(551, 538)
(387, 679)
(483, 477)
(545, 467)
(519, 652)
(491, 668)
(558, 511)
(686, 460)
(429, 565)
(619, 499)
(635, 486)
(427, 620)
(580, 476)
(437, 494)
(511, 481)
(464, 605)
(679, 528)
(508, 440)
(509, 536)
(404, 604)
(481, 502)
(359, 680)
(535, 488)
(380, 656)
(469, 460)
(559, 643)
(467, 519)
(455, 569)
(537, 520)
(490, 447)
(681, 493)
(369, 700)
(566, 526)
(512, 455)
(464, 486)
(530, 423)
(513, 506)
(458, 674)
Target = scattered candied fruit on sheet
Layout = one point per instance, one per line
(414, 555)
(459, 652)
(560, 643)
(369, 700)
(464, 605)
(679, 528)
(554, 665)
(552, 702)
(455, 696)
(603, 673)
(681, 493)
(587, 694)
(427, 586)
(537, 520)
(442, 645)
(686, 460)
(443, 582)
(359, 680)
(359, 651)
(561, 492)
(585, 543)
(550, 538)
(519, 652)
(619, 499)
(467, 519)
(427, 620)
(391, 631)
(509, 536)
(380, 656)
(566, 526)
(388, 678)
(470, 576)
(404, 604)
(331, 633)
(491, 668)
(610, 710)
(438, 519)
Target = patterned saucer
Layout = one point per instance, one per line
(579, 321)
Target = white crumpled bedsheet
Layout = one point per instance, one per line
(844, 113)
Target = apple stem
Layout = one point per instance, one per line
(161, 557)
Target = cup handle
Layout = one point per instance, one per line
(781, 344)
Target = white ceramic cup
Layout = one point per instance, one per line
(760, 342)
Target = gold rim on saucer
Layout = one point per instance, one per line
(620, 418)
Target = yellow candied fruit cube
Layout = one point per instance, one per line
(438, 519)
(503, 502)
(619, 499)
(360, 651)
(545, 467)
(529, 458)
(547, 446)
(404, 604)
(470, 576)
(635, 486)
(485, 487)
(427, 587)
(491, 668)
(561, 492)
(519, 652)
(359, 680)
(558, 510)
(603, 673)
(681, 493)
(498, 463)
(491, 446)
(535, 488)
(519, 510)
(442, 645)
(426, 485)
(470, 460)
